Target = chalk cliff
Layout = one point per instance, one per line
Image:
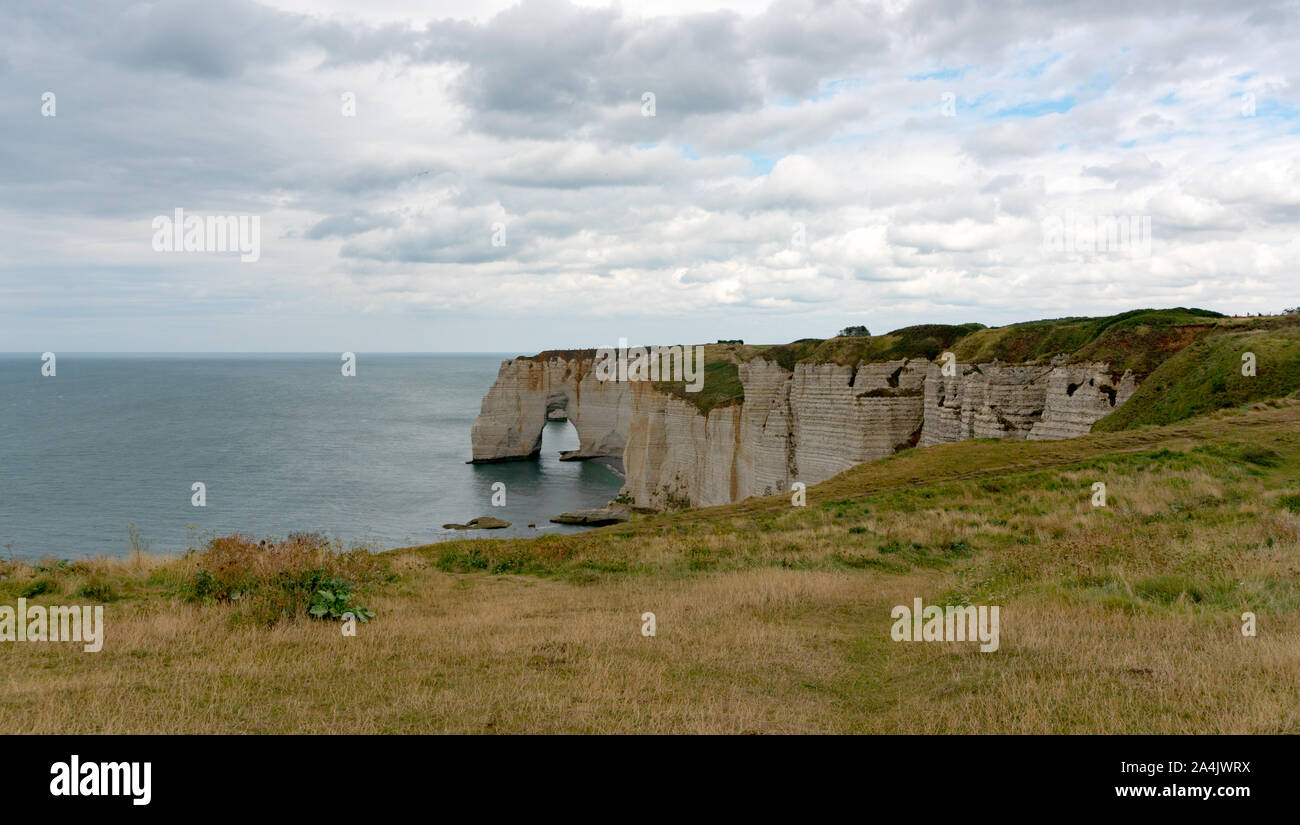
(1011, 401)
(803, 424)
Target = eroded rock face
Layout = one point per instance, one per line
(1012, 401)
(1079, 396)
(983, 401)
(806, 425)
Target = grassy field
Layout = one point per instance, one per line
(770, 618)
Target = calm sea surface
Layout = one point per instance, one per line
(282, 443)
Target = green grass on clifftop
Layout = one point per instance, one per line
(722, 385)
(921, 341)
(1206, 376)
(1136, 340)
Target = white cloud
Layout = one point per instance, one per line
(825, 116)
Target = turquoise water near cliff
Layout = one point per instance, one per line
(282, 442)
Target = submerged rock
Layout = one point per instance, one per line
(593, 518)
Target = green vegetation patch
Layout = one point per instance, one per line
(39, 587)
(1207, 376)
(722, 385)
(1137, 340)
(921, 341)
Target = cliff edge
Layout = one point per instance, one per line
(768, 417)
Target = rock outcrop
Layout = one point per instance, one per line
(593, 518)
(480, 523)
(801, 425)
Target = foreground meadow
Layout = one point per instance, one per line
(769, 618)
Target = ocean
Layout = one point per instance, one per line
(113, 444)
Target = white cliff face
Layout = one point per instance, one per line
(766, 464)
(803, 426)
(676, 456)
(1079, 396)
(1026, 402)
(807, 425)
(845, 415)
(983, 401)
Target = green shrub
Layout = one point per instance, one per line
(39, 587)
(276, 580)
(1167, 589)
(1262, 456)
(699, 558)
(97, 590)
(862, 562)
(335, 599)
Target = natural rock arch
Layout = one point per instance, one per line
(529, 390)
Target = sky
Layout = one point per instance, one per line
(511, 177)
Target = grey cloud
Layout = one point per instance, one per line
(1011, 139)
(1131, 170)
(1154, 121)
(206, 40)
(807, 41)
(550, 69)
(356, 223)
(1000, 182)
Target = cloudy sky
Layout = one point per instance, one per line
(501, 186)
